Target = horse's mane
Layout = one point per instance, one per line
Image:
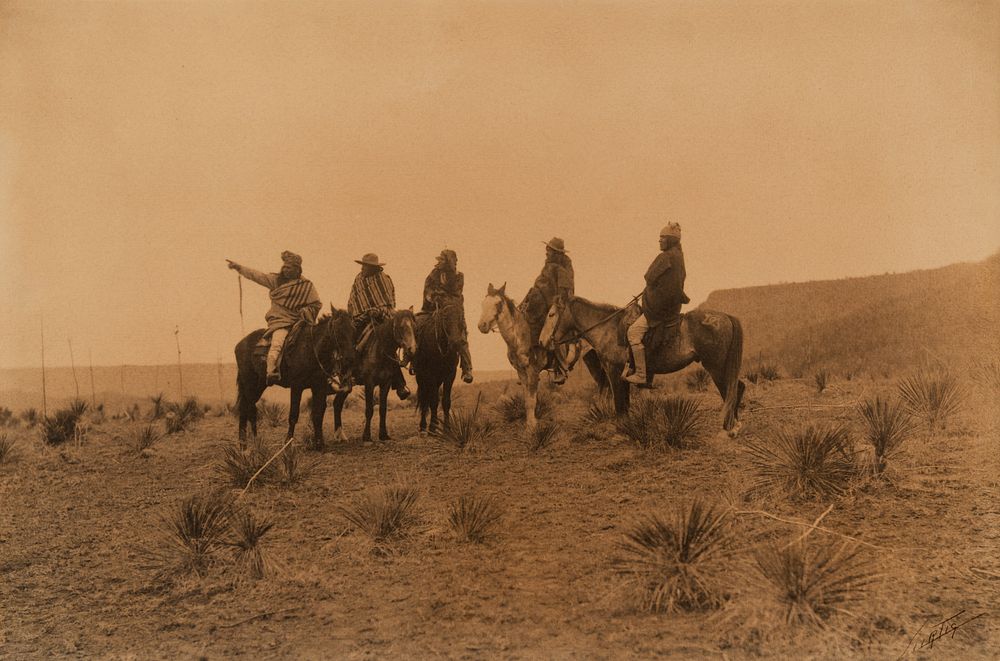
(604, 307)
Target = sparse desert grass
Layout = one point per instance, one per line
(752, 376)
(933, 395)
(8, 449)
(238, 465)
(274, 414)
(249, 556)
(384, 514)
(294, 466)
(815, 462)
(987, 375)
(698, 380)
(159, 406)
(887, 426)
(30, 417)
(182, 416)
(670, 564)
(141, 438)
(769, 372)
(474, 518)
(7, 417)
(653, 422)
(543, 435)
(193, 533)
(595, 421)
(467, 431)
(511, 408)
(822, 379)
(811, 584)
(62, 426)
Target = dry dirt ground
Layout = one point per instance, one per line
(74, 521)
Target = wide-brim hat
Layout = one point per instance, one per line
(371, 259)
(556, 244)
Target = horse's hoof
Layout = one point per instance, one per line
(384, 438)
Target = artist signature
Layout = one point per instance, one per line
(942, 629)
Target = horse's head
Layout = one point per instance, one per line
(557, 324)
(403, 331)
(335, 349)
(492, 307)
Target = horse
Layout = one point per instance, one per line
(320, 358)
(714, 339)
(439, 336)
(377, 367)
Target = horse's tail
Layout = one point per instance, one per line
(731, 375)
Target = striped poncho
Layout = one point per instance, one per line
(291, 300)
(373, 292)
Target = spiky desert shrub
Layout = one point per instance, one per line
(249, 556)
(8, 449)
(60, 427)
(698, 380)
(658, 423)
(7, 417)
(769, 372)
(183, 415)
(753, 376)
(30, 417)
(294, 466)
(511, 406)
(822, 379)
(385, 514)
(601, 409)
(474, 518)
(467, 431)
(813, 583)
(934, 395)
(159, 406)
(543, 435)
(815, 462)
(78, 407)
(671, 562)
(142, 438)
(193, 532)
(240, 462)
(987, 375)
(887, 426)
(274, 413)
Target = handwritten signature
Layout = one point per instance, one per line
(942, 629)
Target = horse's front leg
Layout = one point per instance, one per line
(318, 410)
(293, 410)
(383, 404)
(530, 380)
(446, 402)
(366, 436)
(338, 408)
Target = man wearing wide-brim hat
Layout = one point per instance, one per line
(293, 299)
(373, 300)
(555, 280)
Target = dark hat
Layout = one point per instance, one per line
(556, 244)
(370, 259)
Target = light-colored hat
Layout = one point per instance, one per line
(556, 244)
(371, 259)
(291, 259)
(672, 229)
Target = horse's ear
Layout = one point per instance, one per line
(490, 291)
(503, 289)
(411, 308)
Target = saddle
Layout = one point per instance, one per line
(264, 344)
(662, 336)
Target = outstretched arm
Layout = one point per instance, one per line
(268, 280)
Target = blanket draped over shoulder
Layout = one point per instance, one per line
(291, 300)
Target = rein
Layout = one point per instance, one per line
(580, 334)
(312, 343)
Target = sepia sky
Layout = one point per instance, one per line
(142, 143)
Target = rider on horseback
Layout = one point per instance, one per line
(293, 300)
(442, 287)
(555, 280)
(661, 299)
(372, 301)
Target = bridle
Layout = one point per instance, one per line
(582, 334)
(397, 336)
(331, 374)
(441, 326)
(495, 322)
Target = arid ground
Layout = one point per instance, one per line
(77, 523)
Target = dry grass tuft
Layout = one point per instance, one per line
(274, 414)
(467, 431)
(385, 515)
(8, 450)
(182, 416)
(543, 435)
(934, 395)
(294, 466)
(240, 463)
(672, 564)
(660, 423)
(987, 376)
(159, 408)
(813, 584)
(887, 426)
(816, 462)
(698, 380)
(769, 372)
(30, 417)
(512, 409)
(474, 518)
(194, 532)
(61, 427)
(248, 554)
(142, 438)
(822, 379)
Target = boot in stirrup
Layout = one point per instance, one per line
(638, 377)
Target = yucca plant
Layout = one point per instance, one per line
(248, 553)
(813, 583)
(240, 462)
(512, 409)
(698, 380)
(543, 435)
(193, 533)
(294, 466)
(274, 413)
(467, 430)
(753, 376)
(474, 518)
(932, 395)
(987, 375)
(8, 449)
(7, 417)
(159, 408)
(60, 427)
(815, 462)
(385, 514)
(887, 426)
(142, 438)
(601, 409)
(30, 417)
(822, 380)
(672, 562)
(769, 372)
(78, 407)
(659, 423)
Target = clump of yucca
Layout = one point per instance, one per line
(159, 408)
(769, 372)
(543, 435)
(248, 553)
(474, 518)
(294, 466)
(61, 427)
(193, 534)
(815, 462)
(30, 417)
(672, 562)
(753, 376)
(274, 413)
(822, 380)
(467, 430)
(512, 409)
(8, 449)
(659, 423)
(698, 380)
(142, 438)
(385, 515)
(601, 409)
(7, 417)
(934, 395)
(813, 583)
(887, 426)
(987, 375)
(78, 407)
(240, 462)
(181, 416)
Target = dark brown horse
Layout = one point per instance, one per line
(320, 358)
(378, 366)
(439, 336)
(714, 339)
